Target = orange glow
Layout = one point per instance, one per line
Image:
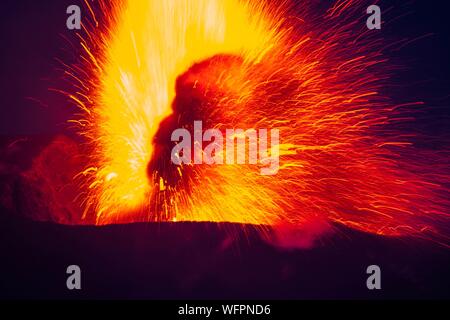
(247, 64)
(149, 46)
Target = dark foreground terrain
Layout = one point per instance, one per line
(182, 261)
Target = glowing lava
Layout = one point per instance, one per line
(152, 66)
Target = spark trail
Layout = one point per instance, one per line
(316, 74)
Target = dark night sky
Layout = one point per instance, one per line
(32, 36)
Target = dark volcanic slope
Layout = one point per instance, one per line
(203, 261)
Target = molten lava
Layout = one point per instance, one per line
(314, 73)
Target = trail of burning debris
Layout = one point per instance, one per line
(315, 74)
